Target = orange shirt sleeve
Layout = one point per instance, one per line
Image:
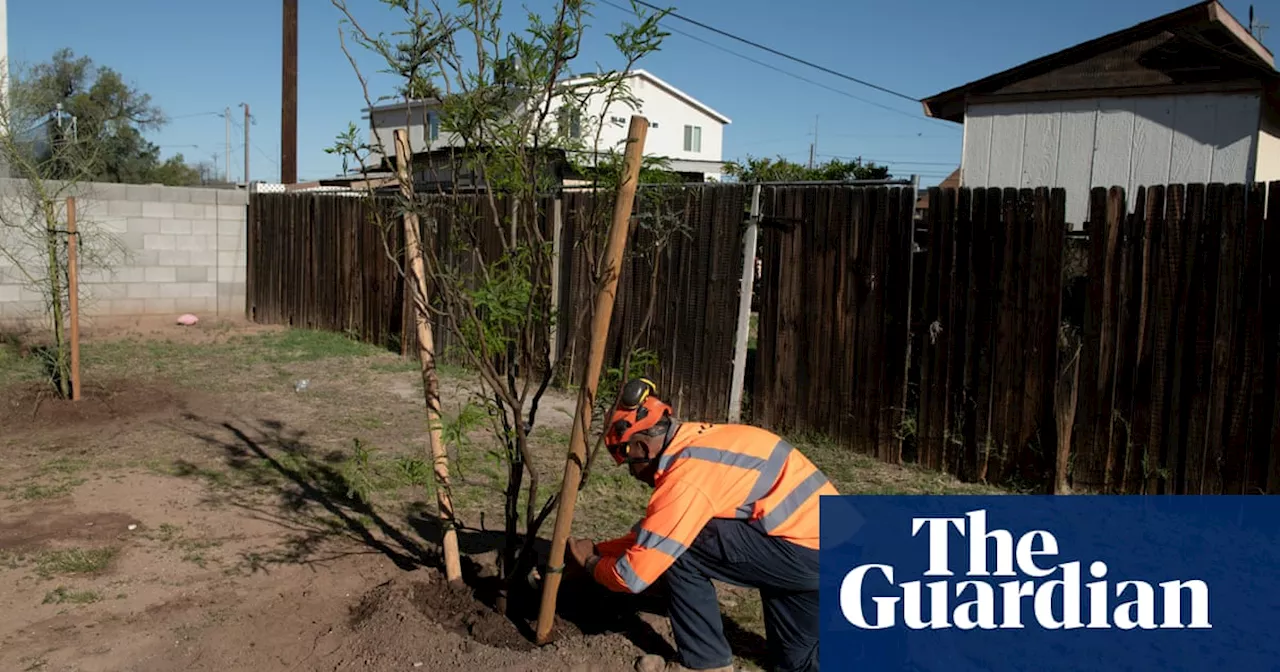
(677, 513)
(615, 547)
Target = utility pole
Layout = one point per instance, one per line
(813, 146)
(289, 96)
(246, 145)
(226, 115)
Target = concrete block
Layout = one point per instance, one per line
(96, 276)
(132, 240)
(175, 290)
(145, 258)
(204, 227)
(174, 258)
(231, 289)
(208, 257)
(175, 194)
(175, 226)
(142, 290)
(129, 274)
(162, 274)
(211, 212)
(213, 274)
(112, 223)
(30, 294)
(231, 304)
(230, 259)
(124, 208)
(160, 306)
(193, 274)
(157, 210)
(190, 243)
(126, 307)
(188, 210)
(22, 310)
(230, 243)
(9, 293)
(233, 212)
(108, 290)
(204, 290)
(154, 241)
(232, 197)
(238, 274)
(142, 194)
(231, 227)
(143, 225)
(102, 191)
(204, 196)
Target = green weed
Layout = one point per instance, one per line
(74, 561)
(64, 595)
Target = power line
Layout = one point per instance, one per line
(784, 55)
(950, 126)
(802, 78)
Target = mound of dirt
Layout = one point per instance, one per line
(32, 406)
(455, 608)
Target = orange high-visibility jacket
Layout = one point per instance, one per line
(716, 471)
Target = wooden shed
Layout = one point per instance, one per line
(1189, 96)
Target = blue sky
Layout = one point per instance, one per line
(197, 58)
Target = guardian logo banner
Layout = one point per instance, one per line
(1005, 583)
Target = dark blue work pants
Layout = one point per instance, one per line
(734, 552)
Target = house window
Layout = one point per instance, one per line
(433, 123)
(571, 121)
(693, 138)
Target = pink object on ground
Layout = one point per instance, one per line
(188, 319)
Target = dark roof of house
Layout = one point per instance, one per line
(951, 182)
(1200, 44)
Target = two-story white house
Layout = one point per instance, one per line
(686, 132)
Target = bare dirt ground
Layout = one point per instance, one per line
(197, 510)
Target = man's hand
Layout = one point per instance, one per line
(580, 552)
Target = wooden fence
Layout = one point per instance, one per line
(1179, 366)
(318, 261)
(834, 307)
(947, 346)
(1175, 368)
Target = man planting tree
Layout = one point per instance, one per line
(731, 503)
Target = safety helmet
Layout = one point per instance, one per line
(636, 411)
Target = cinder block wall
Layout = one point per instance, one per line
(173, 250)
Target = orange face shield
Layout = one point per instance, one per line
(637, 410)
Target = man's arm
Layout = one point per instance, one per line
(616, 547)
(676, 514)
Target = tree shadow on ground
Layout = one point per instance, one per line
(321, 510)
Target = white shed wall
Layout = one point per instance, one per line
(1104, 142)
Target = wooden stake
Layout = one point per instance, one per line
(73, 289)
(416, 284)
(591, 376)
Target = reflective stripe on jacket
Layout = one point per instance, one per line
(716, 471)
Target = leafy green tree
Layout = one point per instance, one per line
(762, 169)
(98, 121)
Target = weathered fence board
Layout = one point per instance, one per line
(992, 306)
(834, 314)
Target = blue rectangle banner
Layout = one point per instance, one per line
(1015, 583)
